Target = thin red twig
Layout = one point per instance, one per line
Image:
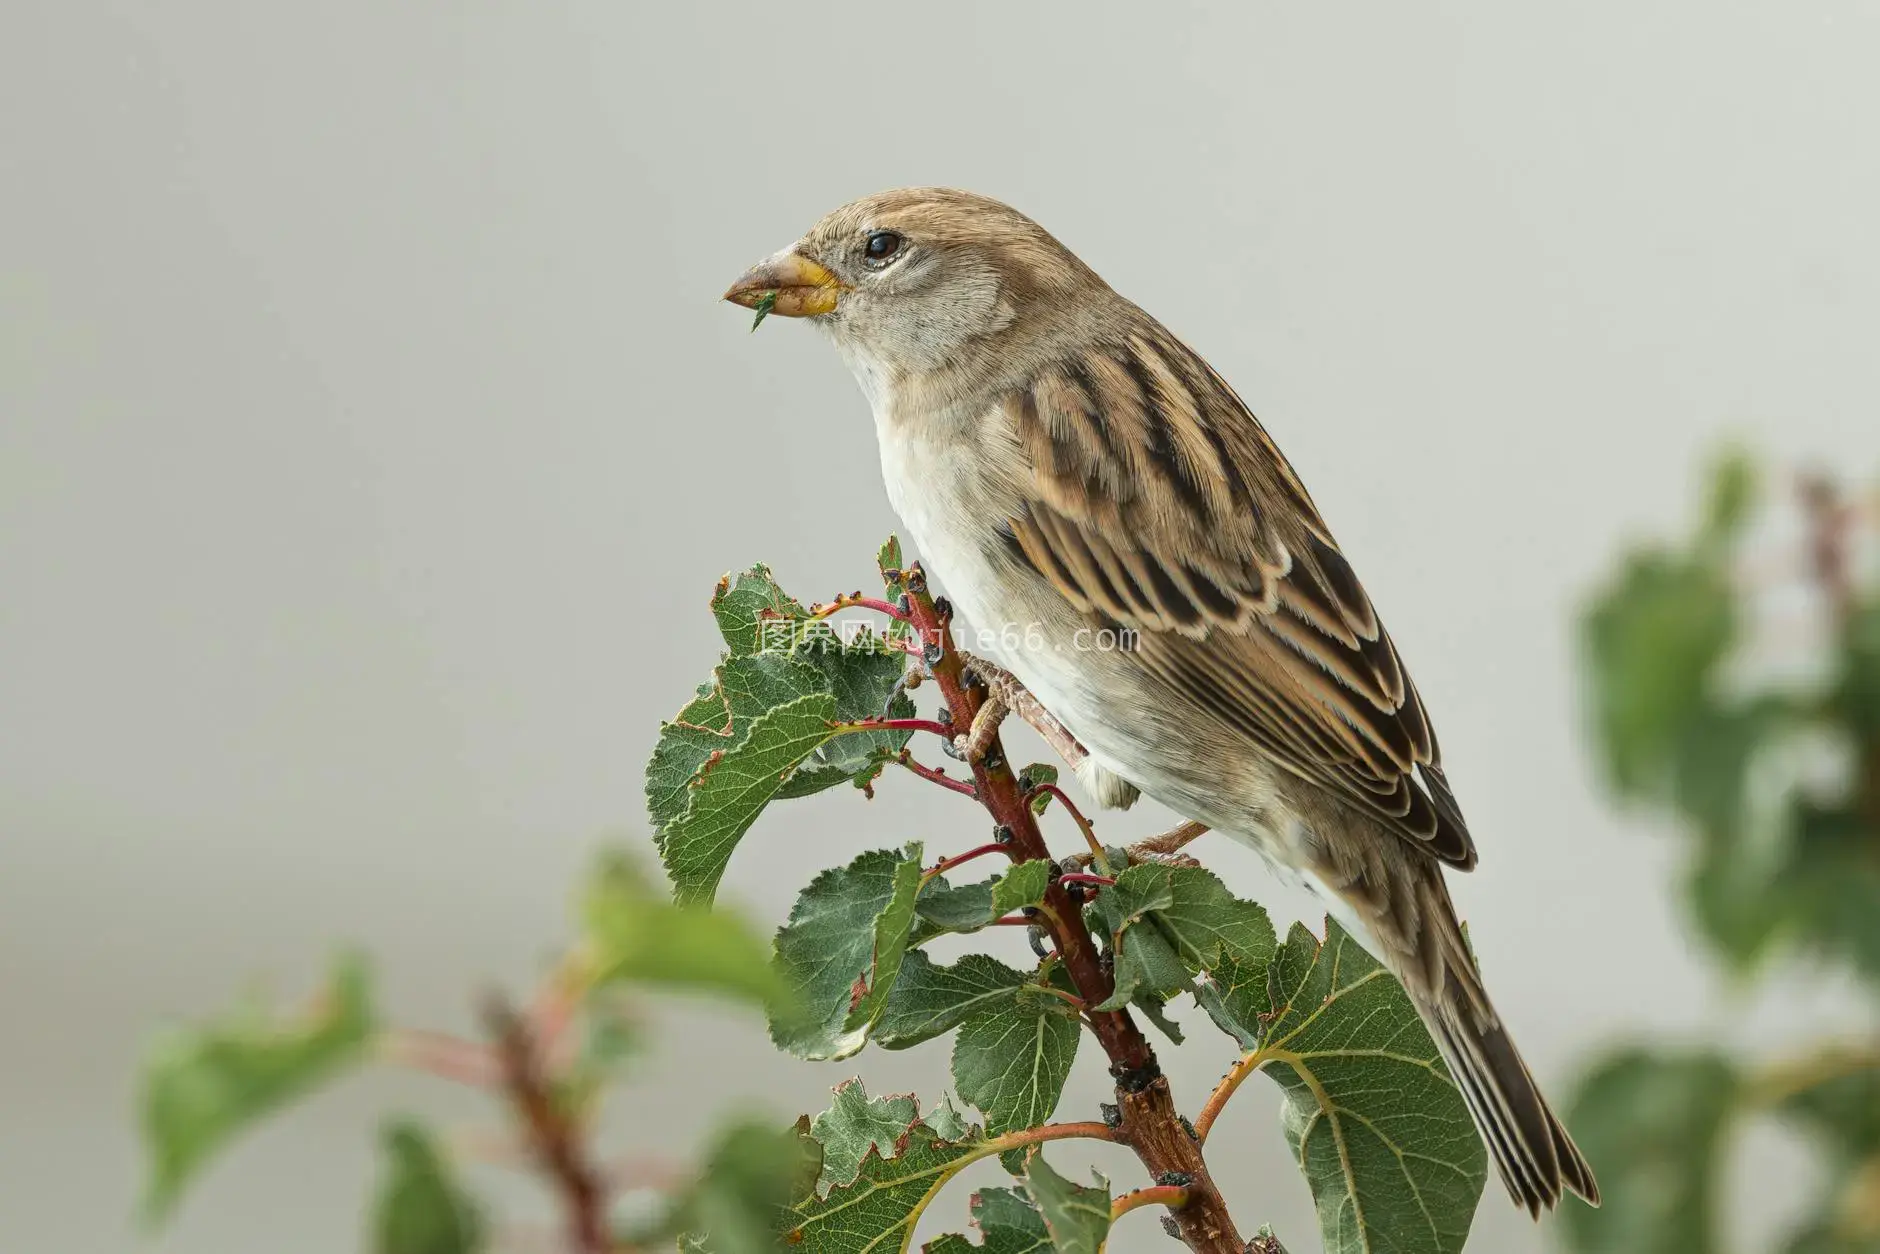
(447, 1057)
(1084, 825)
(962, 858)
(935, 775)
(856, 601)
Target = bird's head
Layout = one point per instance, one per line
(908, 280)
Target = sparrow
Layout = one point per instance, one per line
(1072, 473)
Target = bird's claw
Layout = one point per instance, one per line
(911, 678)
(972, 747)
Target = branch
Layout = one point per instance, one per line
(1832, 522)
(856, 601)
(1780, 1081)
(934, 775)
(1173, 1196)
(1224, 1091)
(1047, 1132)
(444, 1056)
(1084, 825)
(961, 859)
(554, 1138)
(1148, 1122)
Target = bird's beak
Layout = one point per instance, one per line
(800, 286)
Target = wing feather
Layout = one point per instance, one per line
(1157, 501)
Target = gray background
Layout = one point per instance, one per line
(370, 438)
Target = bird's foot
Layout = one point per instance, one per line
(913, 677)
(1167, 847)
(971, 747)
(1005, 688)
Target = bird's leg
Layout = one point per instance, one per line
(1016, 698)
(972, 746)
(1166, 848)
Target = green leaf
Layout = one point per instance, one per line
(1835, 1235)
(1204, 921)
(969, 907)
(863, 676)
(765, 303)
(1011, 1059)
(1168, 923)
(841, 951)
(1008, 1224)
(612, 1031)
(1840, 1114)
(732, 788)
(857, 1124)
(929, 1000)
(1832, 880)
(421, 1208)
(879, 1208)
(1731, 498)
(889, 562)
(201, 1086)
(1741, 846)
(760, 730)
(1841, 1111)
(1655, 1124)
(1855, 694)
(1155, 1010)
(1380, 1131)
(717, 720)
(754, 614)
(1654, 641)
(634, 933)
(1036, 776)
(1078, 1218)
(742, 1197)
(1144, 960)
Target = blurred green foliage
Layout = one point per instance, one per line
(1772, 772)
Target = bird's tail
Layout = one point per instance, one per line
(1535, 1156)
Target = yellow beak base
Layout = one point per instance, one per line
(800, 287)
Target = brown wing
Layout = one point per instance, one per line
(1160, 502)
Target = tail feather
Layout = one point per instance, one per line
(1399, 906)
(1533, 1152)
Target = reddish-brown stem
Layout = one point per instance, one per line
(934, 775)
(1830, 533)
(1831, 527)
(961, 859)
(1084, 825)
(1173, 1196)
(448, 1057)
(1149, 1124)
(1078, 877)
(1218, 1099)
(1051, 1132)
(554, 1138)
(856, 601)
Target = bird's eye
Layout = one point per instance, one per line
(882, 245)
